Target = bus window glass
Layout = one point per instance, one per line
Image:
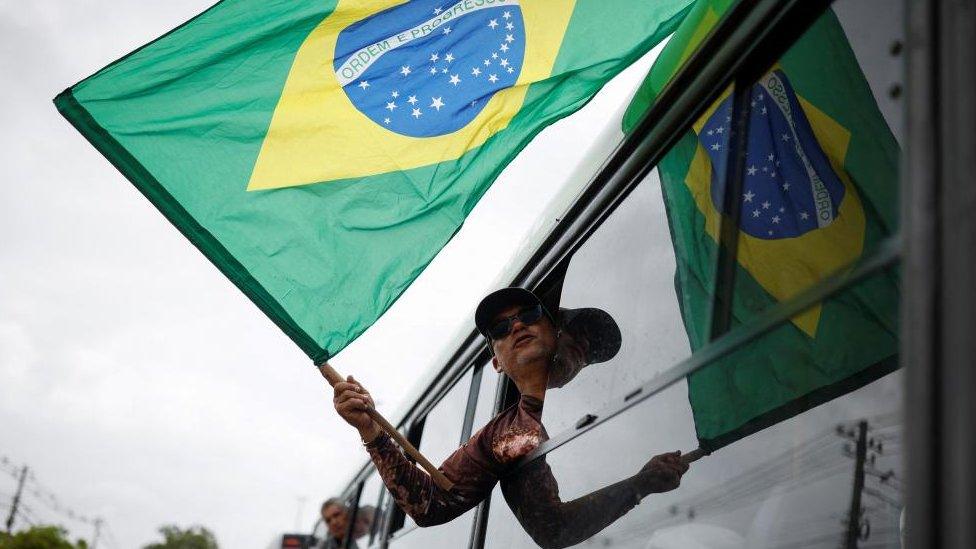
(486, 397)
(451, 535)
(821, 180)
(441, 437)
(339, 510)
(442, 428)
(829, 431)
(875, 30)
(608, 454)
(626, 270)
(368, 514)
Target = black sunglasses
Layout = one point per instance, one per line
(527, 316)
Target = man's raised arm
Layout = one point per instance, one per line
(412, 488)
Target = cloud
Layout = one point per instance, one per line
(17, 353)
(135, 380)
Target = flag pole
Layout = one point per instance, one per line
(333, 377)
(693, 456)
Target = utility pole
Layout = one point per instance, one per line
(16, 502)
(298, 515)
(854, 517)
(97, 534)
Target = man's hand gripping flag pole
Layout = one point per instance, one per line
(333, 377)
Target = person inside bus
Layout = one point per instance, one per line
(335, 516)
(537, 351)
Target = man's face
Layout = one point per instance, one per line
(336, 520)
(525, 346)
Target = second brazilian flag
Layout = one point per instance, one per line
(819, 193)
(321, 153)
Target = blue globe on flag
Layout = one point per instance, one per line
(789, 186)
(440, 67)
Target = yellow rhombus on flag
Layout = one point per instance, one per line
(321, 152)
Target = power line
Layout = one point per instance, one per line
(30, 522)
(29, 485)
(794, 466)
(816, 459)
(811, 461)
(28, 515)
(97, 533)
(110, 537)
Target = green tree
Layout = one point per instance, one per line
(194, 537)
(40, 537)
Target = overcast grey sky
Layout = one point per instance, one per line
(141, 386)
(135, 380)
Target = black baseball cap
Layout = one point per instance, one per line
(498, 301)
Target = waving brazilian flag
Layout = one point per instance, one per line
(320, 152)
(819, 192)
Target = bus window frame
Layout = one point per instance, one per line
(744, 43)
(939, 313)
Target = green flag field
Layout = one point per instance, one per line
(321, 153)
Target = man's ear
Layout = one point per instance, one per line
(494, 364)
